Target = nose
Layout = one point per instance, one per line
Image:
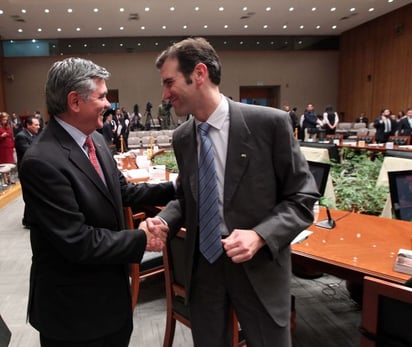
(165, 94)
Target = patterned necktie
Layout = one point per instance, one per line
(92, 156)
(209, 216)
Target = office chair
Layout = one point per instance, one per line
(177, 310)
(386, 312)
(151, 263)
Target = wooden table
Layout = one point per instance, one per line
(359, 245)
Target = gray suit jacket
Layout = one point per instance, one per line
(268, 188)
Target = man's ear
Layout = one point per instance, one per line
(73, 99)
(200, 73)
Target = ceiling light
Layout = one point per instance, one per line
(103, 45)
(85, 45)
(39, 30)
(20, 30)
(285, 26)
(59, 29)
(205, 26)
(353, 9)
(164, 27)
(221, 9)
(172, 9)
(197, 8)
(313, 9)
(225, 42)
(33, 41)
(257, 42)
(143, 27)
(241, 42)
(46, 10)
(291, 9)
(100, 28)
(334, 27)
(78, 29)
(156, 43)
(121, 9)
(23, 11)
(147, 9)
(245, 26)
(268, 9)
(95, 10)
(69, 10)
(301, 27)
(121, 45)
(245, 8)
(272, 42)
(333, 9)
(184, 26)
(371, 9)
(1, 12)
(226, 26)
(265, 26)
(318, 27)
(300, 42)
(390, 1)
(121, 28)
(69, 45)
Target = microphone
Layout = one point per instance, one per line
(327, 223)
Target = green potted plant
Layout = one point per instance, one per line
(354, 181)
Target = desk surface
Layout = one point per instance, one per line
(359, 245)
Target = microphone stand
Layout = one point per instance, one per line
(327, 223)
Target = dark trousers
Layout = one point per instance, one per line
(214, 288)
(120, 338)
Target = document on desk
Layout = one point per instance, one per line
(403, 262)
(302, 236)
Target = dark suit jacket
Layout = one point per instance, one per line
(404, 127)
(268, 188)
(79, 284)
(22, 142)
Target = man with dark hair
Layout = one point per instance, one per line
(22, 142)
(24, 138)
(74, 193)
(245, 192)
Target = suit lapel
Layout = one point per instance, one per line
(239, 151)
(189, 153)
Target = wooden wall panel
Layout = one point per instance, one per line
(375, 66)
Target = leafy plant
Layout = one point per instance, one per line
(168, 159)
(354, 181)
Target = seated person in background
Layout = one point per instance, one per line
(330, 120)
(362, 119)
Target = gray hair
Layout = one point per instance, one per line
(71, 74)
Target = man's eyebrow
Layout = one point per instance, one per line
(168, 80)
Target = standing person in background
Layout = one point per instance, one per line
(6, 140)
(260, 196)
(310, 123)
(293, 119)
(126, 127)
(79, 280)
(41, 120)
(22, 142)
(405, 124)
(16, 124)
(25, 138)
(383, 126)
(330, 120)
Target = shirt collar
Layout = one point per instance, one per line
(75, 133)
(217, 118)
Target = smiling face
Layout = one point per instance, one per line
(89, 111)
(176, 89)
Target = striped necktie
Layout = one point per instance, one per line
(92, 156)
(209, 217)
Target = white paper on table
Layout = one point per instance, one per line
(302, 236)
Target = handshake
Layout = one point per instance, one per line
(156, 234)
